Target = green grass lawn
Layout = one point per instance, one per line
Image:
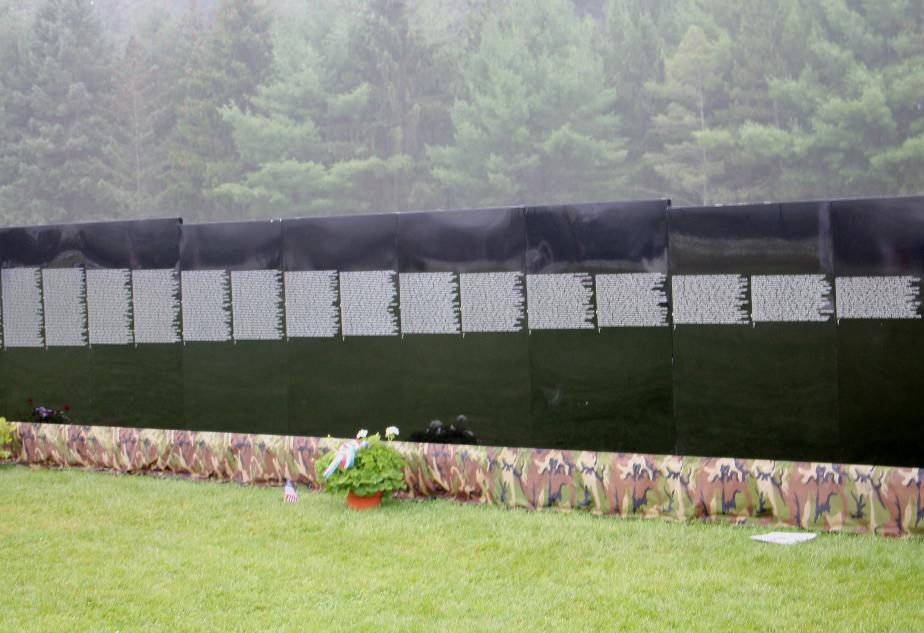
(83, 551)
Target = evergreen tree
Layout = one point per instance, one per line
(867, 134)
(847, 109)
(58, 100)
(408, 107)
(768, 44)
(368, 105)
(279, 143)
(633, 57)
(9, 58)
(225, 69)
(691, 157)
(279, 139)
(537, 122)
(149, 84)
(141, 151)
(343, 127)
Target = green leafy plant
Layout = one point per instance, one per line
(377, 467)
(6, 438)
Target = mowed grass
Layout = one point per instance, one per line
(82, 551)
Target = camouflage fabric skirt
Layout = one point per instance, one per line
(818, 496)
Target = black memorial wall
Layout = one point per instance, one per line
(879, 263)
(343, 347)
(465, 347)
(601, 370)
(235, 375)
(75, 301)
(781, 331)
(754, 332)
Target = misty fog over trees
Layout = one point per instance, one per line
(230, 109)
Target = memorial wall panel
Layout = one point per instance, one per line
(133, 318)
(74, 318)
(600, 345)
(879, 261)
(35, 375)
(754, 334)
(343, 345)
(235, 374)
(464, 348)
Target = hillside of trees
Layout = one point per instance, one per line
(229, 109)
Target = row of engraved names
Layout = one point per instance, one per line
(73, 306)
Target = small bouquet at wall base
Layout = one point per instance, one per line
(46, 414)
(364, 468)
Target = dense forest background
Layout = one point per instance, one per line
(227, 109)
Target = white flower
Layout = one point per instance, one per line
(362, 433)
(392, 431)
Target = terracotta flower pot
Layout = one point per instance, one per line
(359, 502)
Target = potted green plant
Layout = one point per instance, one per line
(6, 438)
(364, 468)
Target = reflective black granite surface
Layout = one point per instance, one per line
(763, 389)
(129, 244)
(606, 389)
(845, 390)
(880, 362)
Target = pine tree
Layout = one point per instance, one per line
(170, 39)
(633, 57)
(285, 160)
(869, 135)
(409, 102)
(279, 143)
(9, 59)
(343, 127)
(141, 150)
(691, 157)
(767, 46)
(58, 102)
(225, 69)
(537, 122)
(848, 117)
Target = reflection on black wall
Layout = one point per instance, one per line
(232, 246)
(52, 378)
(509, 323)
(100, 376)
(482, 375)
(757, 388)
(339, 384)
(880, 364)
(602, 391)
(763, 391)
(349, 243)
(624, 237)
(478, 240)
(239, 387)
(141, 385)
(600, 388)
(129, 244)
(236, 384)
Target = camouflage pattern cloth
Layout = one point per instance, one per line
(814, 496)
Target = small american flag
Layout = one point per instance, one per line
(290, 496)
